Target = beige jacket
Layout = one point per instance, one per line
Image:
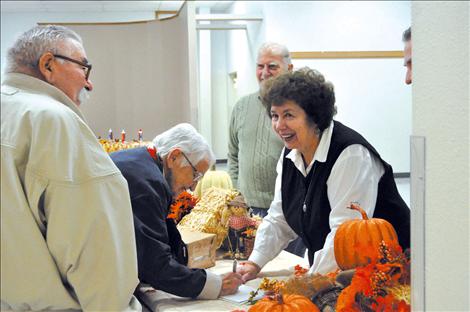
(67, 239)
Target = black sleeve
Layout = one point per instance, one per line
(178, 247)
(157, 264)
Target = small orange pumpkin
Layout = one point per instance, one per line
(284, 303)
(357, 241)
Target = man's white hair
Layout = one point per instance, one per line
(275, 49)
(23, 56)
(185, 137)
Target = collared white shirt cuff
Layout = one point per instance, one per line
(259, 258)
(212, 286)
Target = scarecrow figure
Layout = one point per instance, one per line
(237, 218)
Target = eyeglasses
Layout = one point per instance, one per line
(196, 174)
(86, 67)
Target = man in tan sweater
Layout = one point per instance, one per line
(254, 148)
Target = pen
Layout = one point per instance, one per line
(234, 266)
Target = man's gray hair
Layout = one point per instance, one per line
(275, 49)
(185, 137)
(407, 35)
(23, 56)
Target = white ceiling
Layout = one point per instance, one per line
(104, 6)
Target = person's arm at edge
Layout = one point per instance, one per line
(212, 287)
(232, 155)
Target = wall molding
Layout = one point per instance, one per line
(168, 14)
(159, 16)
(398, 175)
(346, 54)
(220, 27)
(93, 23)
(229, 17)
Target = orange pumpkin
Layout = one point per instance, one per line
(284, 303)
(357, 241)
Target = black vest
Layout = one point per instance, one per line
(313, 224)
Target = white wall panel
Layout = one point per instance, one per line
(141, 76)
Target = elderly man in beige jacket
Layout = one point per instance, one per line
(66, 227)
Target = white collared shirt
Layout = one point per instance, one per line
(354, 178)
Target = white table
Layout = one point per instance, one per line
(281, 267)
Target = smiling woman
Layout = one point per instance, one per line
(299, 114)
(295, 129)
(323, 168)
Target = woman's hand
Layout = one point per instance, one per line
(230, 283)
(248, 270)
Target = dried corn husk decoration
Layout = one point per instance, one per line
(112, 146)
(207, 214)
(308, 284)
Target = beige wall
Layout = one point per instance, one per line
(441, 50)
(140, 74)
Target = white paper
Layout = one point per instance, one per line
(243, 294)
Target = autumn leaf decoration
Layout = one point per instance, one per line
(382, 285)
(299, 271)
(183, 205)
(250, 232)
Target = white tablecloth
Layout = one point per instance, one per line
(281, 267)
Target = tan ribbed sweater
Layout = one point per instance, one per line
(253, 151)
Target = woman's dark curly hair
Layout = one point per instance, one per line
(308, 89)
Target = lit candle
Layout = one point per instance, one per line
(110, 134)
(123, 136)
(140, 135)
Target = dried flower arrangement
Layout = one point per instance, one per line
(250, 232)
(301, 283)
(381, 285)
(181, 206)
